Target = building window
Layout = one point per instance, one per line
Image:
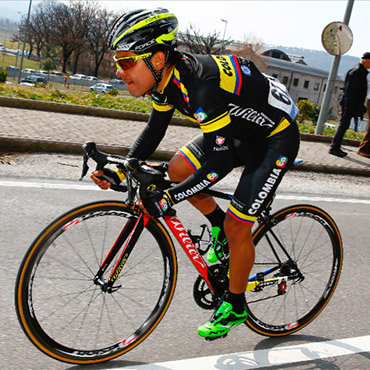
(295, 82)
(335, 89)
(317, 86)
(306, 83)
(324, 88)
(285, 80)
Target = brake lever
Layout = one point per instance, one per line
(85, 167)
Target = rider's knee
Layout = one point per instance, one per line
(235, 229)
(179, 169)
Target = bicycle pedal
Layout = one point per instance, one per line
(211, 339)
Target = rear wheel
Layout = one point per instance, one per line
(70, 318)
(313, 241)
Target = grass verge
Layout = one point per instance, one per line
(121, 102)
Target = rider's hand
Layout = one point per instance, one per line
(106, 177)
(157, 204)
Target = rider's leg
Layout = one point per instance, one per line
(239, 236)
(232, 310)
(178, 171)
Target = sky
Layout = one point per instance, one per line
(286, 23)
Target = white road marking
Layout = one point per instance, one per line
(48, 185)
(85, 186)
(315, 198)
(265, 357)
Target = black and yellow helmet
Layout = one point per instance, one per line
(142, 30)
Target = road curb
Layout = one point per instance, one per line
(119, 114)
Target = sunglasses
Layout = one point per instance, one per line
(126, 63)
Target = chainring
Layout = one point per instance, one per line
(203, 295)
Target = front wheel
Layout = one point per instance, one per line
(281, 306)
(68, 316)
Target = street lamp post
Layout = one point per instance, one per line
(24, 42)
(223, 39)
(16, 58)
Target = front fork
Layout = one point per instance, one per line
(127, 238)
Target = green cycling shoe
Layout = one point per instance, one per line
(219, 240)
(222, 321)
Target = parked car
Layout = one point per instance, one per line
(78, 77)
(42, 73)
(101, 88)
(92, 78)
(116, 81)
(32, 80)
(56, 73)
(29, 70)
(12, 68)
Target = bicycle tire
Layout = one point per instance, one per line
(67, 316)
(312, 239)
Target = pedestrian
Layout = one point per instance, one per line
(352, 102)
(247, 119)
(355, 124)
(364, 148)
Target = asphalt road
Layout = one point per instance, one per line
(36, 192)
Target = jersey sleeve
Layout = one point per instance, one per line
(153, 133)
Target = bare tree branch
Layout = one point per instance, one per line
(196, 43)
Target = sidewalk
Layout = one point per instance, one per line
(46, 131)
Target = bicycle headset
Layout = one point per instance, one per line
(142, 31)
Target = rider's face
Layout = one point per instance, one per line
(139, 79)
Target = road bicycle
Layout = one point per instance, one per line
(98, 280)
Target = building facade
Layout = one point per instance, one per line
(302, 81)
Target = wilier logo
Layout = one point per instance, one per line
(282, 161)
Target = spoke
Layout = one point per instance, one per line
(70, 267)
(78, 254)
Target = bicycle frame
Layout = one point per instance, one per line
(131, 232)
(127, 239)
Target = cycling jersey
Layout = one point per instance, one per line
(230, 99)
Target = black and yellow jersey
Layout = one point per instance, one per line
(230, 99)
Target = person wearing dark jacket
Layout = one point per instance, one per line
(352, 101)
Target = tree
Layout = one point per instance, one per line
(83, 12)
(49, 54)
(308, 111)
(38, 32)
(61, 23)
(40, 27)
(199, 44)
(98, 36)
(20, 36)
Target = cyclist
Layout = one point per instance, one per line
(247, 119)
